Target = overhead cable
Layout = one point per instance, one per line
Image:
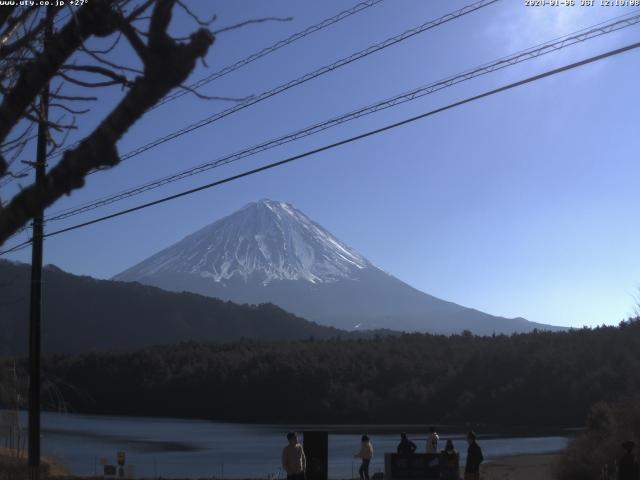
(523, 55)
(352, 139)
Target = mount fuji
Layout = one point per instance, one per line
(269, 251)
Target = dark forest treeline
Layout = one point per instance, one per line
(539, 378)
(82, 314)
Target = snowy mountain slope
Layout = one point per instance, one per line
(266, 240)
(271, 252)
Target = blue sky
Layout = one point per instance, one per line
(522, 204)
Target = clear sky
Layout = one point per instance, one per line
(522, 204)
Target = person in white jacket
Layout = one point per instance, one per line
(432, 441)
(293, 460)
(366, 454)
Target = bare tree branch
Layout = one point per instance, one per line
(199, 21)
(13, 24)
(213, 97)
(167, 65)
(139, 11)
(7, 146)
(23, 41)
(107, 50)
(96, 56)
(115, 77)
(251, 22)
(134, 40)
(74, 98)
(16, 175)
(58, 145)
(55, 126)
(69, 109)
(5, 14)
(94, 18)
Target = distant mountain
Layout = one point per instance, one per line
(82, 314)
(271, 252)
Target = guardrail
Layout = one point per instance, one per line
(214, 469)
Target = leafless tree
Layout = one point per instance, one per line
(65, 62)
(13, 384)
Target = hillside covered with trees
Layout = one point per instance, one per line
(82, 314)
(541, 378)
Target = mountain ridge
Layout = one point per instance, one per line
(295, 259)
(83, 314)
(269, 251)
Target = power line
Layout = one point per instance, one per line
(523, 55)
(450, 106)
(312, 75)
(370, 133)
(270, 49)
(303, 79)
(307, 77)
(15, 248)
(327, 22)
(4, 181)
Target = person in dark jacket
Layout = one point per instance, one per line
(449, 462)
(474, 458)
(406, 446)
(628, 464)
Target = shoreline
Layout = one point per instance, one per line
(520, 467)
(516, 467)
(505, 430)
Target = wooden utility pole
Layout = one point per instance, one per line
(36, 279)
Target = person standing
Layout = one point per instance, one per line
(474, 458)
(628, 464)
(432, 441)
(366, 454)
(406, 446)
(293, 460)
(449, 462)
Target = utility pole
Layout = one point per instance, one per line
(36, 278)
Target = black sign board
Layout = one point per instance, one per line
(316, 449)
(415, 466)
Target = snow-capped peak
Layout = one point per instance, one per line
(265, 241)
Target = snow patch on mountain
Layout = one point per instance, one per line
(265, 240)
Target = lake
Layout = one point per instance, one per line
(173, 448)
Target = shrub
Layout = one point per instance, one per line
(599, 445)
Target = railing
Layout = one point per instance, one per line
(215, 469)
(13, 438)
(609, 471)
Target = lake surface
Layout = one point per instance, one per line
(173, 448)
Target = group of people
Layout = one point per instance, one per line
(294, 461)
(449, 469)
